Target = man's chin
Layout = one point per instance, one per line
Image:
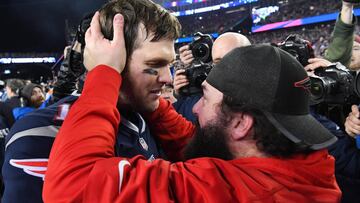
(149, 107)
(209, 141)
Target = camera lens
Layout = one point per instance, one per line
(357, 85)
(201, 51)
(317, 90)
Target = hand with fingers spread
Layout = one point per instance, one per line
(186, 55)
(180, 80)
(352, 123)
(315, 63)
(99, 50)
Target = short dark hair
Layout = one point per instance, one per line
(155, 19)
(268, 139)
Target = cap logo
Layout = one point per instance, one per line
(304, 84)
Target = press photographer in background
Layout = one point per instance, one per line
(197, 59)
(332, 86)
(342, 47)
(38, 131)
(345, 152)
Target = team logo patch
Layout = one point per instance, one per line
(304, 84)
(33, 167)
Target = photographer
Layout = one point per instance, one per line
(38, 130)
(222, 45)
(347, 156)
(342, 47)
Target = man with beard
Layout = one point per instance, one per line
(33, 97)
(255, 106)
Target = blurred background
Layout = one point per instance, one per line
(34, 33)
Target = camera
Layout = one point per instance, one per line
(198, 71)
(301, 49)
(196, 75)
(201, 47)
(335, 85)
(72, 67)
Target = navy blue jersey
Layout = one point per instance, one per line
(29, 142)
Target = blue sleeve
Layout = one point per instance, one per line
(184, 106)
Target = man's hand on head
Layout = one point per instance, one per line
(101, 51)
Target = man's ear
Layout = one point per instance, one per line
(241, 126)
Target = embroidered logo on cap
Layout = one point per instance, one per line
(304, 84)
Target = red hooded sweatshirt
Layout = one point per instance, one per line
(82, 166)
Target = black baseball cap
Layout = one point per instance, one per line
(275, 82)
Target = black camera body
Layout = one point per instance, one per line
(201, 47)
(335, 85)
(196, 75)
(199, 69)
(301, 49)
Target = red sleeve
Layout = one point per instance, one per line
(172, 130)
(86, 136)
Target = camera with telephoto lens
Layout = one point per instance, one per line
(199, 69)
(201, 47)
(301, 49)
(334, 84)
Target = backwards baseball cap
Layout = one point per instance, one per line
(275, 82)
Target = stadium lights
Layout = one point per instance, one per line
(213, 8)
(27, 60)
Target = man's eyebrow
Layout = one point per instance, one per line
(159, 61)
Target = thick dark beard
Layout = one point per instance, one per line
(209, 141)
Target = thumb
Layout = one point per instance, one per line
(355, 110)
(118, 24)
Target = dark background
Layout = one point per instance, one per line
(40, 25)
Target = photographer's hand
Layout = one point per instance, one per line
(186, 55)
(180, 80)
(99, 50)
(315, 63)
(352, 123)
